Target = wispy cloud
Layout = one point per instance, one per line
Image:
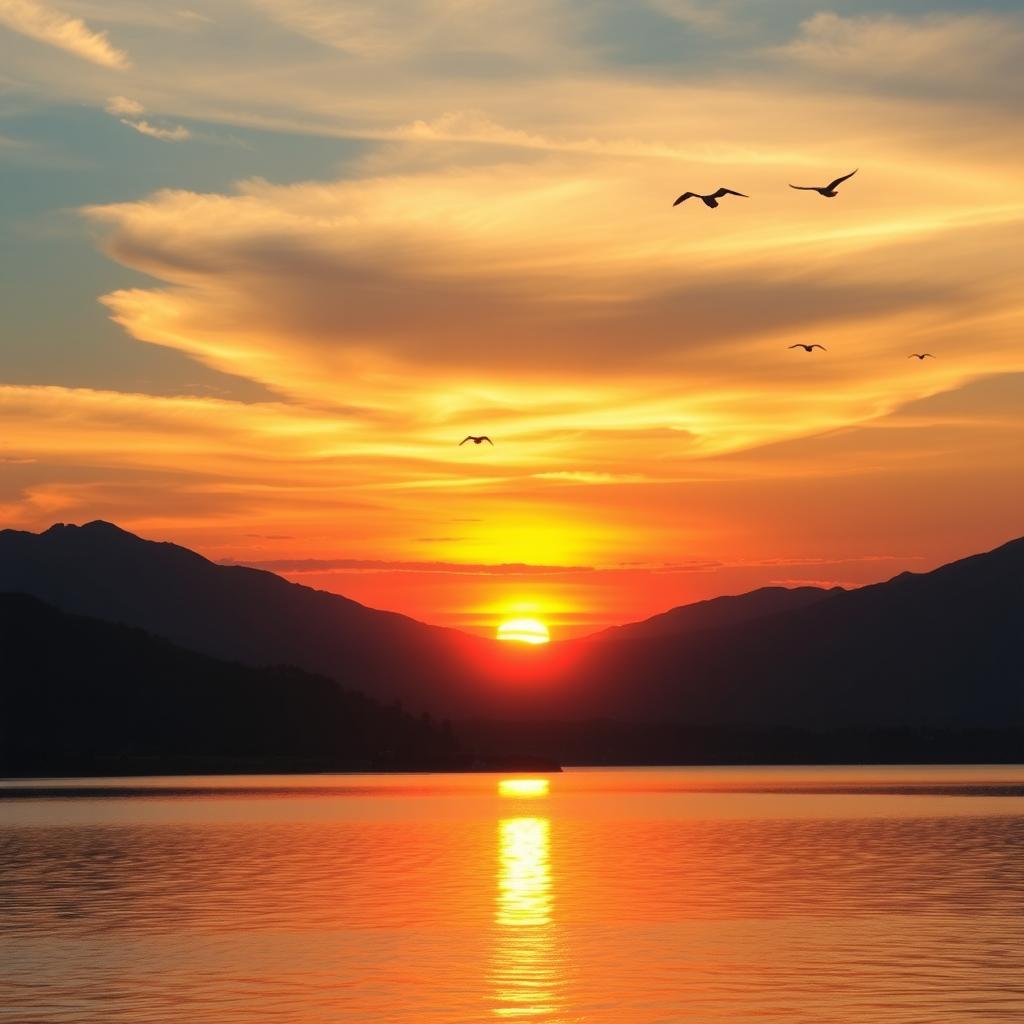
(297, 566)
(49, 25)
(122, 106)
(398, 28)
(705, 14)
(570, 476)
(176, 134)
(128, 112)
(950, 46)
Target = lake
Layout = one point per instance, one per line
(804, 895)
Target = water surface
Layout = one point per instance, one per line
(889, 896)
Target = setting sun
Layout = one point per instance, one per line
(525, 631)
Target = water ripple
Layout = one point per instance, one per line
(616, 896)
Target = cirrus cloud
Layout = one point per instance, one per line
(128, 112)
(48, 25)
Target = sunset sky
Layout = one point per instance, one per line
(266, 262)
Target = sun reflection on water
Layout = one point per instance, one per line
(523, 787)
(524, 878)
(525, 971)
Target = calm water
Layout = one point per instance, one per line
(797, 895)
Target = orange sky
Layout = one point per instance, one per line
(296, 343)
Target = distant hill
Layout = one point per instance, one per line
(719, 611)
(83, 696)
(941, 649)
(233, 612)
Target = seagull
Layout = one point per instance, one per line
(829, 190)
(808, 348)
(711, 200)
(476, 440)
(920, 355)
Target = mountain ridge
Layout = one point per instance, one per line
(936, 649)
(724, 610)
(232, 612)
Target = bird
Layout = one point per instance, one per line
(829, 190)
(808, 348)
(920, 355)
(476, 440)
(711, 200)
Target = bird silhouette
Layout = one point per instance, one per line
(476, 440)
(808, 348)
(711, 200)
(829, 190)
(920, 355)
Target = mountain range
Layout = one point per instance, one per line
(940, 649)
(932, 651)
(232, 612)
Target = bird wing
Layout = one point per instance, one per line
(822, 347)
(488, 440)
(797, 345)
(727, 192)
(805, 188)
(464, 440)
(839, 181)
(684, 197)
(927, 355)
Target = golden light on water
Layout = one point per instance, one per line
(524, 631)
(525, 970)
(523, 787)
(524, 878)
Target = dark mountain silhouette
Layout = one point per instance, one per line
(923, 668)
(719, 611)
(933, 651)
(84, 696)
(233, 612)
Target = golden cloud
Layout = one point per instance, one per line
(48, 25)
(128, 112)
(433, 303)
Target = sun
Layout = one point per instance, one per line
(524, 631)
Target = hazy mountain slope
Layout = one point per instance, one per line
(719, 611)
(229, 611)
(939, 648)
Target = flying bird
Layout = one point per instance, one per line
(711, 200)
(829, 190)
(808, 348)
(476, 440)
(920, 355)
